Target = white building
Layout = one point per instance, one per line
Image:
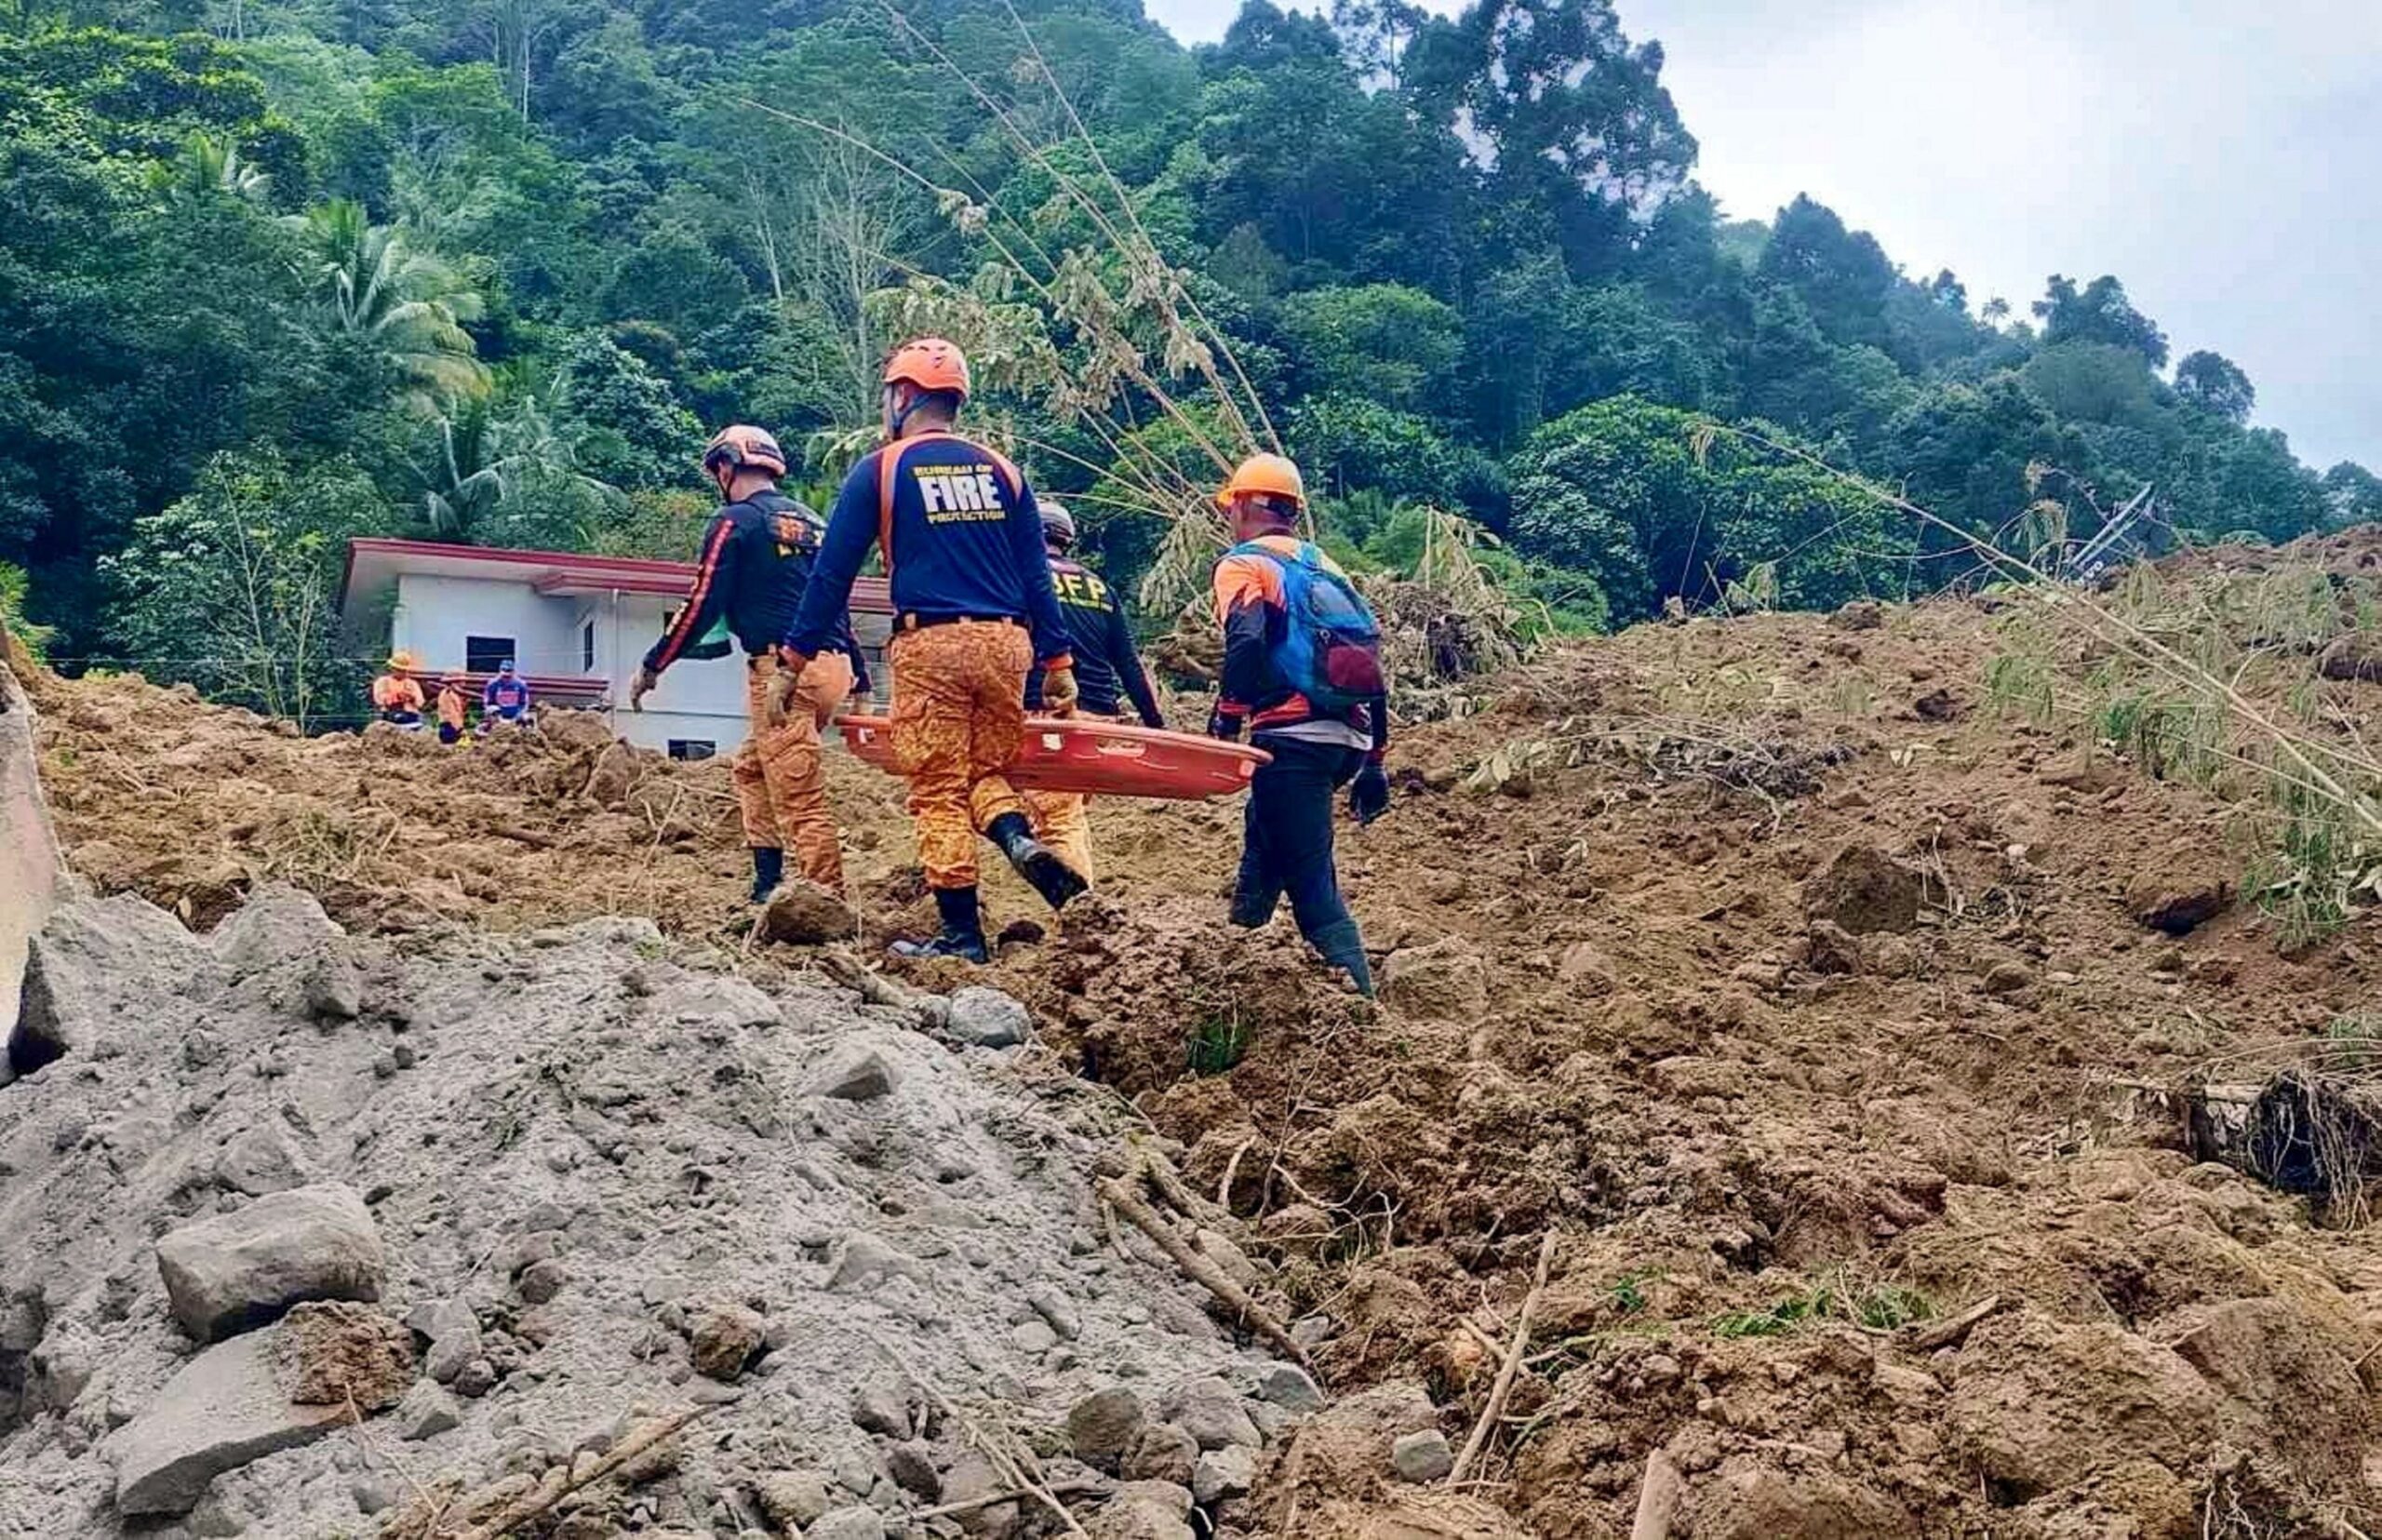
(575, 626)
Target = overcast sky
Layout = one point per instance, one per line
(2222, 157)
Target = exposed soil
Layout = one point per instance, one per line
(1810, 998)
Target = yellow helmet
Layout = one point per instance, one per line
(403, 660)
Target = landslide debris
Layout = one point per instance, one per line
(1821, 1002)
(275, 1271)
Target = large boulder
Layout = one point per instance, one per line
(228, 1406)
(2043, 1406)
(241, 1269)
(88, 962)
(279, 924)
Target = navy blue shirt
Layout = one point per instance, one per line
(754, 569)
(1107, 669)
(961, 537)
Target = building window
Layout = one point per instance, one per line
(587, 647)
(486, 654)
(693, 748)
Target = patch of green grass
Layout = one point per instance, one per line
(1628, 1295)
(1218, 1043)
(1880, 1307)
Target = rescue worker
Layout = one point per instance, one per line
(756, 559)
(396, 694)
(1107, 664)
(1287, 828)
(506, 698)
(974, 613)
(451, 704)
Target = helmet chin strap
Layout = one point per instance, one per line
(898, 417)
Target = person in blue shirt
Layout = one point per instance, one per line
(506, 698)
(974, 614)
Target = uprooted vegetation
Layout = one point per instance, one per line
(1857, 1033)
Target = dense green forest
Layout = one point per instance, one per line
(274, 271)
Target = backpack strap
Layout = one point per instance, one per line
(889, 463)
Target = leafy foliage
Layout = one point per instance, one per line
(492, 271)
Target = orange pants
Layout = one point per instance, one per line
(780, 782)
(1061, 822)
(958, 719)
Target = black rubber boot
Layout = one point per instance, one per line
(1344, 946)
(768, 870)
(1037, 862)
(963, 930)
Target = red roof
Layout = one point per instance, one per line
(374, 560)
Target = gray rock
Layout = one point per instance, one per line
(857, 1075)
(911, 1464)
(373, 1494)
(541, 1280)
(1289, 1388)
(792, 1498)
(971, 1479)
(855, 1468)
(454, 1341)
(868, 1261)
(259, 1162)
(427, 1411)
(476, 1380)
(1034, 1336)
(1423, 1456)
(334, 988)
(1143, 1510)
(241, 1269)
(1054, 1306)
(851, 1523)
(1211, 1411)
(86, 965)
(224, 1408)
(882, 1406)
(1104, 1424)
(1221, 1473)
(1161, 1452)
(277, 924)
(986, 1018)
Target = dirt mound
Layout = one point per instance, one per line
(1806, 991)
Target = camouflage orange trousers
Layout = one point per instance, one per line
(958, 719)
(780, 782)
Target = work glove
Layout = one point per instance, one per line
(780, 703)
(1224, 724)
(1369, 794)
(640, 688)
(1058, 692)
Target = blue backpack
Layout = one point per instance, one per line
(1330, 649)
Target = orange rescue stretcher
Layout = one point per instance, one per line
(1102, 758)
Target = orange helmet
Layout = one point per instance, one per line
(1269, 476)
(740, 446)
(403, 660)
(929, 363)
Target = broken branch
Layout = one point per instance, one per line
(1200, 1270)
(1506, 1370)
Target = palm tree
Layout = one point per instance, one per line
(408, 303)
(209, 166)
(485, 460)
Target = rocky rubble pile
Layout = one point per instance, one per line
(310, 1235)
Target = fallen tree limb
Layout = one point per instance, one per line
(1200, 1270)
(1506, 1370)
(1058, 1489)
(1943, 1333)
(560, 1483)
(1658, 1494)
